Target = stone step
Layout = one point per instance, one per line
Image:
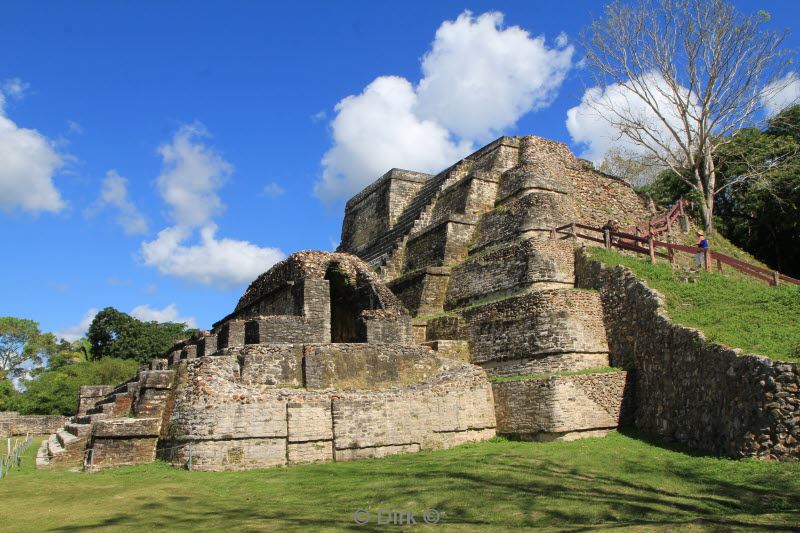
(54, 447)
(65, 438)
(105, 408)
(79, 430)
(42, 459)
(88, 418)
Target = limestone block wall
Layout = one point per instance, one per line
(376, 209)
(539, 332)
(380, 329)
(511, 268)
(89, 395)
(123, 441)
(12, 423)
(532, 215)
(700, 393)
(231, 424)
(284, 329)
(600, 197)
(279, 365)
(441, 244)
(469, 196)
(357, 366)
(563, 407)
(422, 291)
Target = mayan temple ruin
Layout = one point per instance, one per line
(450, 313)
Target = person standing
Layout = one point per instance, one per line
(702, 243)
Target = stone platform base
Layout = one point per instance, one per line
(565, 436)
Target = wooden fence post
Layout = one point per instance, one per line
(651, 248)
(671, 254)
(719, 264)
(607, 238)
(776, 278)
(553, 234)
(572, 230)
(707, 258)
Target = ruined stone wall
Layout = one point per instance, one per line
(375, 210)
(12, 423)
(90, 395)
(367, 366)
(700, 393)
(511, 268)
(231, 425)
(600, 197)
(532, 215)
(563, 407)
(441, 244)
(542, 331)
(422, 291)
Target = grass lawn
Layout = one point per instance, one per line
(730, 309)
(621, 481)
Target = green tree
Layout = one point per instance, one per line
(22, 345)
(758, 199)
(117, 334)
(9, 395)
(55, 392)
(759, 204)
(68, 353)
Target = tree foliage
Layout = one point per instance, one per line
(23, 345)
(119, 335)
(55, 392)
(758, 207)
(691, 73)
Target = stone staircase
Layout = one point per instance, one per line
(380, 251)
(121, 428)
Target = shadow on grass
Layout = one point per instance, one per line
(492, 486)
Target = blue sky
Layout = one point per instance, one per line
(173, 150)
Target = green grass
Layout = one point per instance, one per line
(621, 481)
(730, 309)
(523, 377)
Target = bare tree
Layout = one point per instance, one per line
(679, 77)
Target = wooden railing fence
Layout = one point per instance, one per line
(649, 245)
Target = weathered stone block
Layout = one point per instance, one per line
(561, 406)
(279, 365)
(366, 366)
(310, 452)
(126, 428)
(231, 333)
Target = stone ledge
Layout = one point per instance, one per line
(126, 428)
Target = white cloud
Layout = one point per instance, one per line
(170, 313)
(589, 128)
(212, 261)
(15, 88)
(781, 94)
(28, 161)
(74, 127)
(191, 176)
(74, 333)
(478, 78)
(192, 172)
(273, 190)
(377, 130)
(319, 116)
(114, 193)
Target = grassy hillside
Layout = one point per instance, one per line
(731, 309)
(622, 480)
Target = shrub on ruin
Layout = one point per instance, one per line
(119, 335)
